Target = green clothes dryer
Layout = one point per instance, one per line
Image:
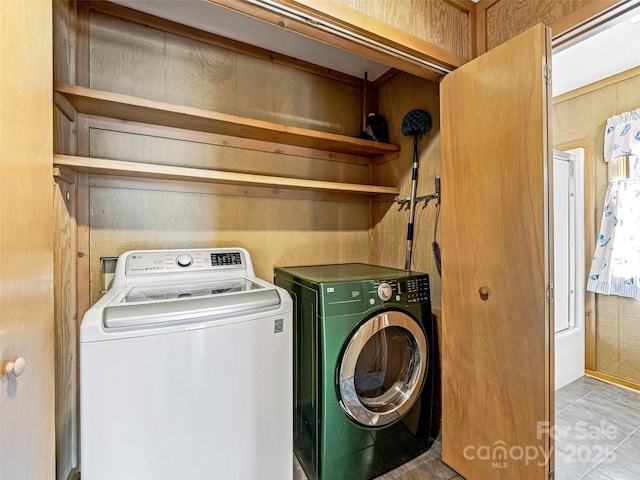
(364, 368)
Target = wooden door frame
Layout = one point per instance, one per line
(589, 243)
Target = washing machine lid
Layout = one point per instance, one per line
(146, 306)
(172, 292)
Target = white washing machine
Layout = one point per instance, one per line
(186, 371)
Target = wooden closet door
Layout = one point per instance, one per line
(497, 345)
(27, 435)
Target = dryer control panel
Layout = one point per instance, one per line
(346, 298)
(406, 290)
(415, 289)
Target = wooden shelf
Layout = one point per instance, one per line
(133, 169)
(125, 107)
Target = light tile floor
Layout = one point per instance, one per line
(597, 437)
(597, 432)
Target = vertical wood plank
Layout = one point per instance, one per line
(66, 331)
(83, 50)
(65, 249)
(590, 312)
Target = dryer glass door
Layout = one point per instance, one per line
(382, 369)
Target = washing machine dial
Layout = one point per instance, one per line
(184, 260)
(384, 291)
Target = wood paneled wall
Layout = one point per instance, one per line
(500, 20)
(133, 59)
(439, 22)
(580, 120)
(507, 18)
(398, 96)
(469, 29)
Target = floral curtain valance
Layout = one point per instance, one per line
(622, 135)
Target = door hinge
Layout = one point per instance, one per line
(547, 74)
(550, 293)
(552, 474)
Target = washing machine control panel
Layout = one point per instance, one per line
(404, 290)
(153, 262)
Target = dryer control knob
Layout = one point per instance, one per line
(184, 260)
(385, 291)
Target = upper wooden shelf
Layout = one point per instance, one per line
(125, 107)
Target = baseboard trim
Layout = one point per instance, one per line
(620, 382)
